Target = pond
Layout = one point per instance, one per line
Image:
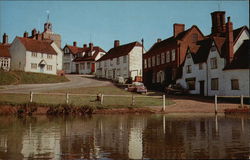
(125, 136)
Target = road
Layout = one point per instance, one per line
(76, 81)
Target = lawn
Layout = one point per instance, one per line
(19, 77)
(109, 101)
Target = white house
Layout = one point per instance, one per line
(121, 61)
(219, 64)
(86, 59)
(5, 54)
(31, 55)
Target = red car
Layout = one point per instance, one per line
(137, 87)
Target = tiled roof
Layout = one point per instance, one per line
(41, 46)
(4, 50)
(160, 46)
(120, 51)
(241, 58)
(89, 58)
(74, 49)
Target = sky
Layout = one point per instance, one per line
(102, 22)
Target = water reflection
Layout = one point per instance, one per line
(125, 136)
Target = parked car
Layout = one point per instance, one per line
(175, 89)
(137, 87)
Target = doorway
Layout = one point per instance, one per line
(202, 88)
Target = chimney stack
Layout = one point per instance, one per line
(229, 41)
(5, 38)
(218, 22)
(116, 43)
(84, 46)
(25, 34)
(158, 40)
(178, 28)
(91, 46)
(75, 43)
(33, 32)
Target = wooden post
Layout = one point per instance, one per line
(102, 95)
(241, 101)
(67, 98)
(215, 105)
(31, 96)
(133, 100)
(164, 102)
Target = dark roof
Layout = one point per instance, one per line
(120, 51)
(202, 51)
(241, 58)
(89, 58)
(41, 46)
(160, 46)
(4, 50)
(238, 31)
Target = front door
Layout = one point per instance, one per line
(202, 88)
(114, 74)
(77, 68)
(42, 68)
(92, 67)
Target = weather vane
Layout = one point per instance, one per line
(47, 15)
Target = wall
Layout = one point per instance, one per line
(135, 62)
(243, 36)
(59, 57)
(17, 52)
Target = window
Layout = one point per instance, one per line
(105, 63)
(158, 59)
(214, 84)
(213, 48)
(118, 60)
(173, 55)
(200, 66)
(213, 62)
(49, 56)
(162, 58)
(124, 59)
(82, 66)
(235, 84)
(33, 66)
(168, 57)
(145, 63)
(149, 62)
(194, 37)
(88, 65)
(190, 83)
(34, 54)
(100, 64)
(189, 68)
(111, 62)
(49, 67)
(189, 55)
(66, 66)
(153, 61)
(66, 50)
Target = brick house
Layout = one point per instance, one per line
(219, 64)
(5, 54)
(161, 62)
(121, 61)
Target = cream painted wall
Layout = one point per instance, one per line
(59, 57)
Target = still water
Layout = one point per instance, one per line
(126, 136)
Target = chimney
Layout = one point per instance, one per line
(33, 32)
(38, 36)
(116, 43)
(84, 46)
(218, 22)
(25, 34)
(229, 41)
(5, 38)
(178, 28)
(91, 46)
(158, 40)
(75, 43)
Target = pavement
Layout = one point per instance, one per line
(75, 81)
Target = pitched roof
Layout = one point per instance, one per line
(41, 46)
(160, 46)
(120, 51)
(241, 57)
(238, 31)
(74, 49)
(96, 50)
(4, 50)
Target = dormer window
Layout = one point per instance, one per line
(194, 37)
(213, 48)
(189, 55)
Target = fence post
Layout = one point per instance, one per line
(102, 95)
(133, 100)
(241, 101)
(215, 101)
(67, 98)
(164, 102)
(31, 96)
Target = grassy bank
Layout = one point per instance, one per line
(19, 77)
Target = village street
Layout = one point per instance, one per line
(76, 81)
